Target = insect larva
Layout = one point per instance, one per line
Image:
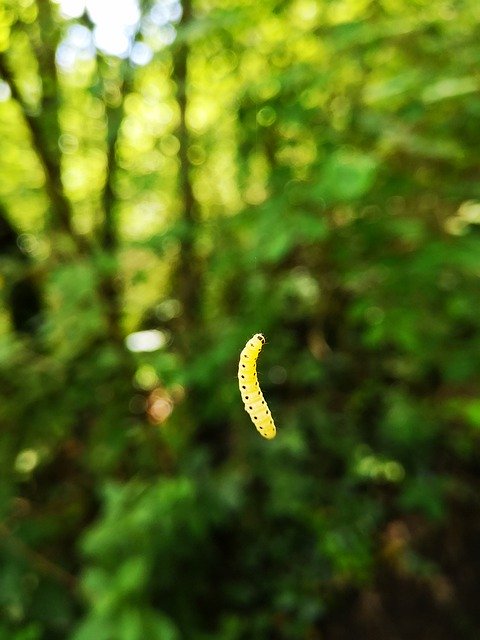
(252, 397)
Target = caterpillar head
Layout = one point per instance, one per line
(260, 337)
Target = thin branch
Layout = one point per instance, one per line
(40, 562)
(109, 236)
(188, 280)
(114, 116)
(43, 146)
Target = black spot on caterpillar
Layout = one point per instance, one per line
(250, 390)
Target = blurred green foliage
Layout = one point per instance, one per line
(176, 177)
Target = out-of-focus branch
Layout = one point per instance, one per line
(44, 127)
(114, 114)
(109, 232)
(114, 117)
(38, 561)
(44, 43)
(188, 279)
(54, 188)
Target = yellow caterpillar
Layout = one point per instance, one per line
(252, 396)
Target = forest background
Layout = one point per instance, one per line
(174, 178)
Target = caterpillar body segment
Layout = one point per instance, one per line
(252, 396)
